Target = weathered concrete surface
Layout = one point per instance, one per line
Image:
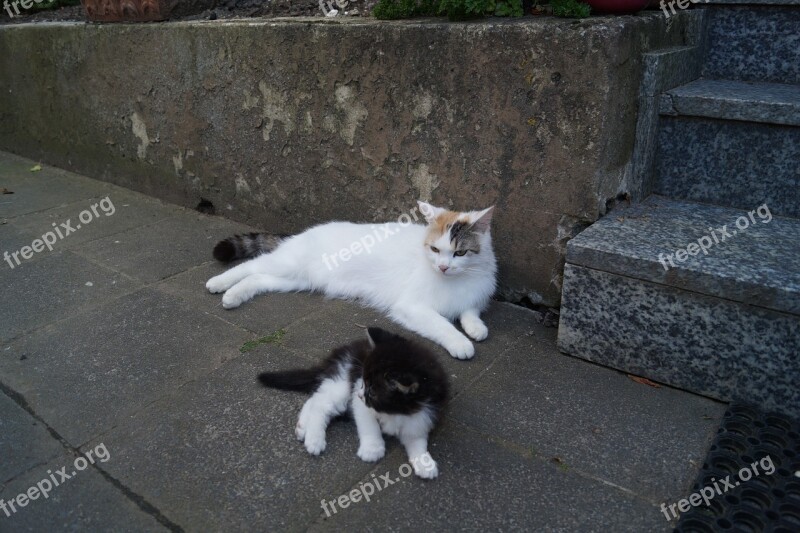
(154, 373)
(287, 123)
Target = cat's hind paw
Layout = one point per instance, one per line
(371, 452)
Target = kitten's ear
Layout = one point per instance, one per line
(378, 335)
(429, 211)
(482, 220)
(403, 388)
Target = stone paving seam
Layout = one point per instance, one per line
(499, 357)
(76, 312)
(515, 447)
(138, 500)
(374, 472)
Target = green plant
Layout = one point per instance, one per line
(466, 9)
(403, 9)
(570, 8)
(454, 9)
(273, 338)
(509, 8)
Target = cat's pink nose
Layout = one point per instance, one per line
(443, 268)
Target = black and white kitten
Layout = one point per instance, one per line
(390, 384)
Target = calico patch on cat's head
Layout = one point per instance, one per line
(400, 376)
(455, 239)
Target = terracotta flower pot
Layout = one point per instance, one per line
(617, 7)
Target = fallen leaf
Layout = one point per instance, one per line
(644, 381)
(6, 191)
(560, 462)
(36, 168)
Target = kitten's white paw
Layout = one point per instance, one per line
(217, 284)
(371, 451)
(300, 431)
(475, 329)
(315, 445)
(426, 469)
(460, 348)
(230, 300)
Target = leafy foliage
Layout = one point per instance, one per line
(403, 9)
(570, 8)
(454, 9)
(509, 8)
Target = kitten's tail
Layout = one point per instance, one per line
(246, 246)
(301, 380)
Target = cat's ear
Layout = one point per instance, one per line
(378, 335)
(403, 388)
(482, 220)
(430, 212)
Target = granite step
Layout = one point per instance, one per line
(701, 297)
(753, 41)
(709, 152)
(771, 103)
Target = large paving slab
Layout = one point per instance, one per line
(264, 315)
(49, 187)
(485, 485)
(117, 211)
(220, 454)
(24, 442)
(596, 420)
(54, 288)
(157, 251)
(85, 502)
(116, 358)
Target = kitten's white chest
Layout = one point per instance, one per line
(391, 424)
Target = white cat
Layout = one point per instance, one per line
(422, 276)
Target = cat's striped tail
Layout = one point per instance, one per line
(246, 246)
(300, 380)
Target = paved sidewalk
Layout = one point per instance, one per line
(111, 342)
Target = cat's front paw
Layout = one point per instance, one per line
(315, 445)
(475, 328)
(217, 284)
(231, 300)
(371, 451)
(425, 467)
(460, 348)
(300, 431)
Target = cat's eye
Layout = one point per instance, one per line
(434, 249)
(460, 253)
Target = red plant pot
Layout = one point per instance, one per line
(617, 7)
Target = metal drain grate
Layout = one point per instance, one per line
(746, 497)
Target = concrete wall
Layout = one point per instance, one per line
(287, 123)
